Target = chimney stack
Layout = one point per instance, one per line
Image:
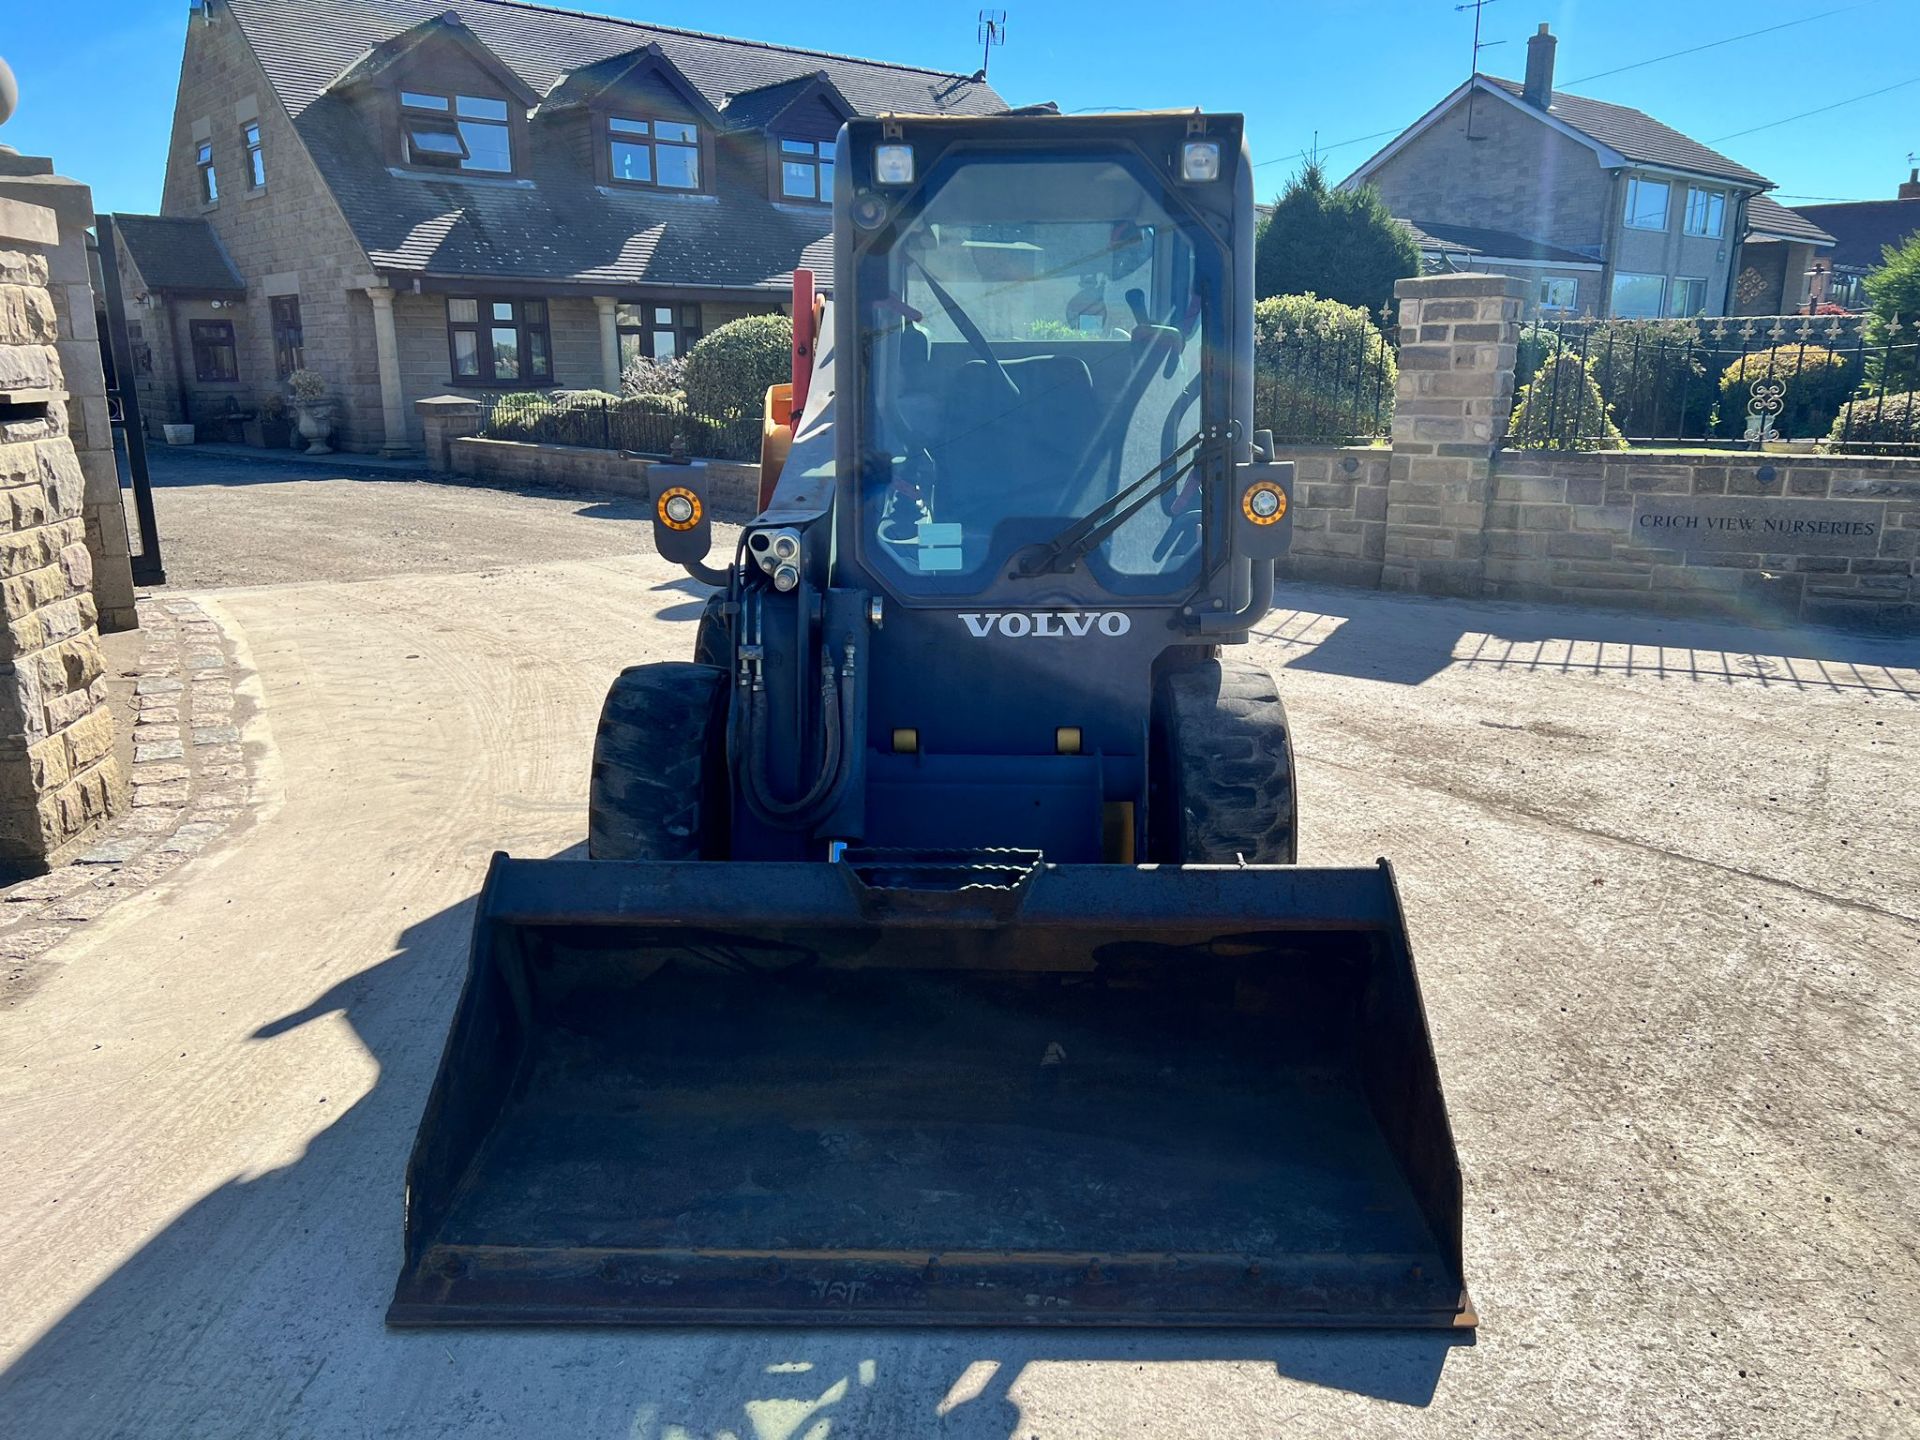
(1910, 187)
(1540, 48)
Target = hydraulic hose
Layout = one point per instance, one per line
(838, 723)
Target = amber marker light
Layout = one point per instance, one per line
(1264, 503)
(679, 509)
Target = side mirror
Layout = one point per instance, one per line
(1263, 509)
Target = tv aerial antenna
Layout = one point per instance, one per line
(992, 32)
(1477, 7)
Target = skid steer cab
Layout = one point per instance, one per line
(942, 955)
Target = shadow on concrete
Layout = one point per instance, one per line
(259, 1309)
(1406, 640)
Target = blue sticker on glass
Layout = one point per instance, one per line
(939, 547)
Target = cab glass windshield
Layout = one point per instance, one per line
(1031, 339)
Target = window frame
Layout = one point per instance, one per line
(1674, 282)
(1549, 280)
(289, 334)
(483, 327)
(1634, 185)
(209, 178)
(1613, 295)
(1719, 213)
(435, 112)
(650, 141)
(255, 152)
(684, 326)
(206, 338)
(817, 157)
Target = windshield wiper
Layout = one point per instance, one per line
(1092, 530)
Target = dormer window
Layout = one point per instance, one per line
(664, 153)
(456, 132)
(806, 170)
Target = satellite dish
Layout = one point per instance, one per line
(9, 92)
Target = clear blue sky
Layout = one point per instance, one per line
(97, 76)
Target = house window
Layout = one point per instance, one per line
(806, 170)
(1557, 292)
(289, 345)
(1687, 295)
(457, 132)
(1638, 297)
(215, 361)
(657, 331)
(256, 158)
(1706, 212)
(209, 182)
(499, 342)
(1646, 204)
(654, 152)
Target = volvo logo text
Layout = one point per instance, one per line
(1018, 624)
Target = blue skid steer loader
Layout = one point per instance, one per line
(941, 956)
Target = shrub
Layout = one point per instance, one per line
(1343, 244)
(1890, 419)
(1538, 345)
(1652, 373)
(1561, 409)
(1817, 382)
(1322, 371)
(1893, 293)
(645, 375)
(729, 371)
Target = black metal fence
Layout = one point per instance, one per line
(1325, 380)
(1605, 384)
(652, 425)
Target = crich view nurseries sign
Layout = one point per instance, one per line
(1718, 524)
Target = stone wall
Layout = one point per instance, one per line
(31, 181)
(1340, 519)
(732, 489)
(59, 777)
(1784, 537)
(1827, 540)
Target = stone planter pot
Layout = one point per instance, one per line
(316, 425)
(177, 434)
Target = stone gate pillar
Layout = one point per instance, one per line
(1458, 334)
(59, 777)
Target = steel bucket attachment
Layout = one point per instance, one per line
(935, 1090)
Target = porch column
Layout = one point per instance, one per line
(609, 343)
(386, 345)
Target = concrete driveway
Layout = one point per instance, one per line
(1663, 888)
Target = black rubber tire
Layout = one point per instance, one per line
(1222, 768)
(712, 643)
(658, 789)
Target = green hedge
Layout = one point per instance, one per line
(1890, 419)
(1322, 371)
(1652, 373)
(729, 371)
(1817, 384)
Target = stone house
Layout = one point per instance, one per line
(411, 197)
(1600, 208)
